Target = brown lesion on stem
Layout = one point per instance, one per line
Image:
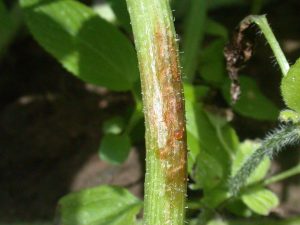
(237, 53)
(173, 154)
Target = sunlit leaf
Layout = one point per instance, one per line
(88, 46)
(104, 205)
(290, 87)
(260, 200)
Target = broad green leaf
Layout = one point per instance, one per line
(217, 29)
(114, 125)
(120, 9)
(105, 11)
(287, 115)
(195, 93)
(212, 144)
(192, 37)
(290, 87)
(104, 205)
(223, 3)
(252, 102)
(260, 200)
(194, 150)
(115, 148)
(86, 45)
(212, 65)
(238, 208)
(10, 22)
(245, 150)
(217, 222)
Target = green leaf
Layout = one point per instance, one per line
(86, 45)
(252, 102)
(114, 125)
(212, 65)
(120, 9)
(260, 200)
(115, 148)
(104, 205)
(239, 208)
(193, 36)
(213, 145)
(217, 29)
(290, 87)
(245, 150)
(287, 115)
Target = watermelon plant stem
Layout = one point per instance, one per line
(262, 23)
(163, 102)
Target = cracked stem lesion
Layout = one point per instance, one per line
(155, 41)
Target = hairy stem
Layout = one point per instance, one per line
(284, 175)
(263, 24)
(157, 50)
(274, 142)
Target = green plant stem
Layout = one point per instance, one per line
(157, 50)
(284, 175)
(263, 24)
(192, 38)
(272, 145)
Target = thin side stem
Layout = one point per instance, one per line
(284, 175)
(157, 50)
(263, 24)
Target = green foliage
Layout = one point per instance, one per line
(70, 32)
(260, 200)
(114, 125)
(211, 63)
(104, 205)
(272, 144)
(97, 52)
(290, 87)
(115, 148)
(252, 102)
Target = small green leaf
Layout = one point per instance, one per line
(239, 208)
(260, 200)
(115, 148)
(217, 29)
(88, 46)
(245, 150)
(120, 9)
(252, 102)
(216, 144)
(114, 125)
(212, 65)
(289, 116)
(104, 205)
(290, 87)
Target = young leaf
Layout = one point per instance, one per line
(290, 87)
(86, 45)
(104, 205)
(245, 150)
(115, 148)
(252, 102)
(114, 125)
(260, 200)
(212, 64)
